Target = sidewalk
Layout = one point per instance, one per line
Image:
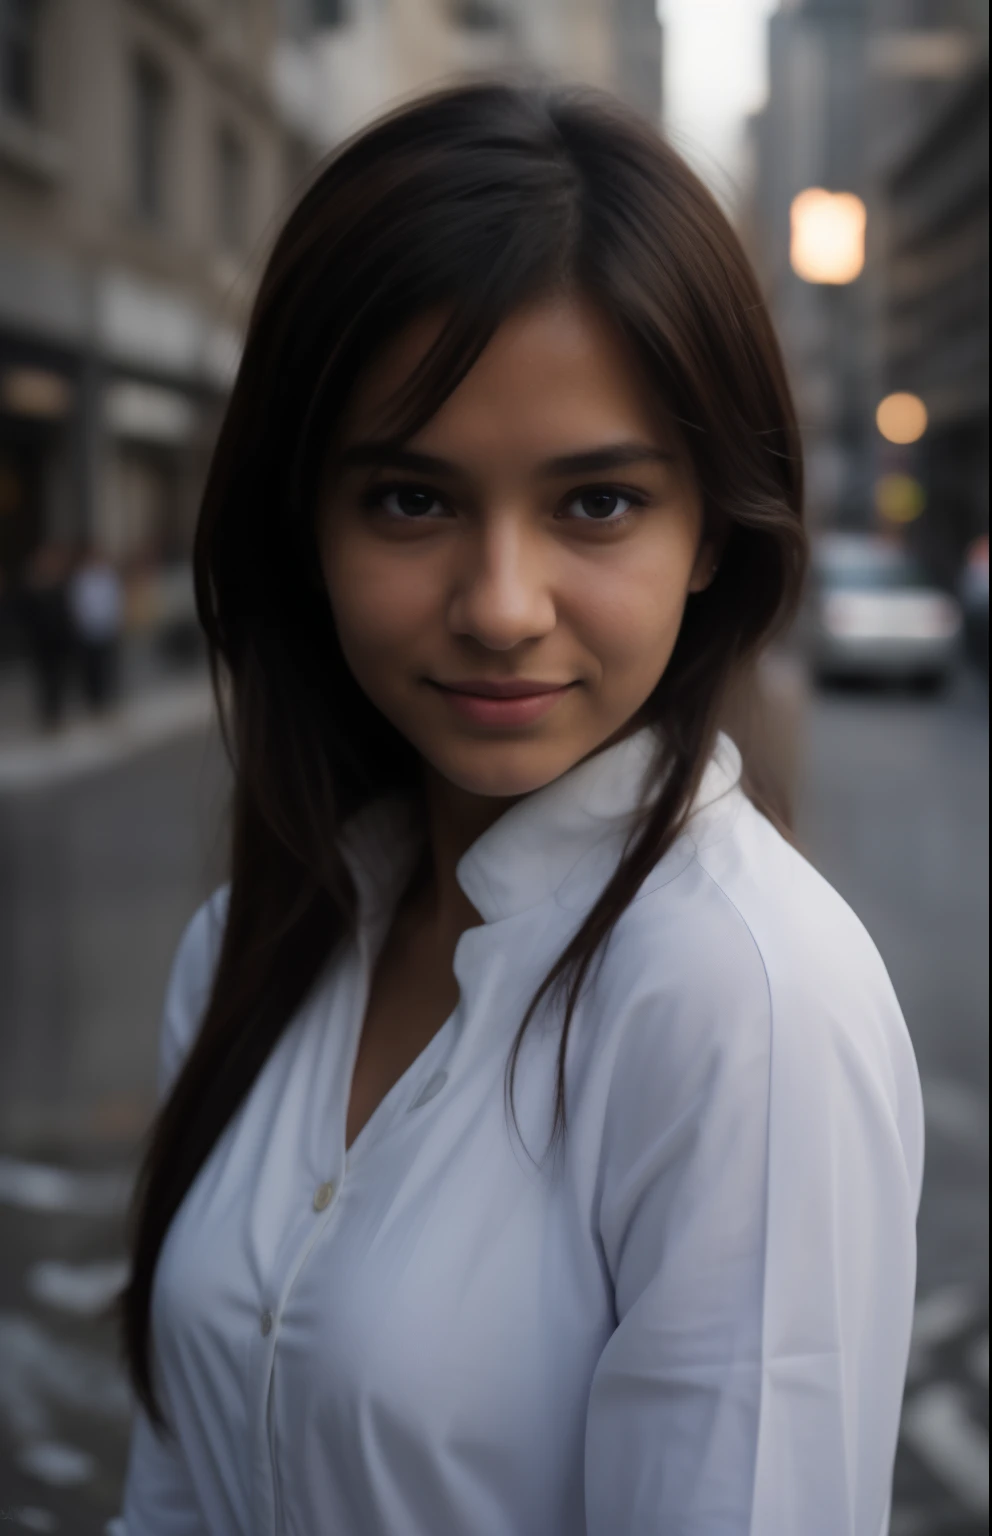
(157, 702)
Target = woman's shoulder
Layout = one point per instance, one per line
(750, 943)
(188, 988)
(742, 988)
(812, 945)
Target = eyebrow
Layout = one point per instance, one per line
(388, 454)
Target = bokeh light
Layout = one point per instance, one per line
(901, 418)
(827, 236)
(899, 498)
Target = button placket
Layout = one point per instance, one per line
(265, 1512)
(269, 1329)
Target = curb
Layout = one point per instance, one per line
(135, 727)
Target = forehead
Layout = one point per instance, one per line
(558, 369)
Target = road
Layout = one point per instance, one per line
(97, 874)
(894, 811)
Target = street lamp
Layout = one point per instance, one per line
(827, 236)
(901, 418)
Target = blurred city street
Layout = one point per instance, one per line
(99, 870)
(97, 874)
(148, 155)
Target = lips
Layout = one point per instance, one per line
(518, 689)
(503, 710)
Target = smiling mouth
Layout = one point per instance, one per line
(501, 711)
(478, 689)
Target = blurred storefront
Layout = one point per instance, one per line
(39, 443)
(144, 149)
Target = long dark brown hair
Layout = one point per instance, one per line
(467, 203)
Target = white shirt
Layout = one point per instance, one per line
(693, 1323)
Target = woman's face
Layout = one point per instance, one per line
(543, 528)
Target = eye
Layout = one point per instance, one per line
(407, 503)
(602, 504)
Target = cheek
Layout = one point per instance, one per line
(631, 611)
(378, 605)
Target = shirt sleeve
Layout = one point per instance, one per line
(758, 1207)
(159, 1497)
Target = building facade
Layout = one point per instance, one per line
(372, 55)
(931, 174)
(886, 99)
(144, 151)
(810, 134)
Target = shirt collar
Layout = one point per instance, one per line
(528, 854)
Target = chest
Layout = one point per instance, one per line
(446, 1306)
(448, 1294)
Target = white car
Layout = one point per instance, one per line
(873, 612)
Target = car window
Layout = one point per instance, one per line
(869, 570)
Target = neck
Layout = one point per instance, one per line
(455, 819)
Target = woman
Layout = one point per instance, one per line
(507, 493)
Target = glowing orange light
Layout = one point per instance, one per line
(901, 418)
(828, 236)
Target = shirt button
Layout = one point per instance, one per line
(266, 1323)
(323, 1196)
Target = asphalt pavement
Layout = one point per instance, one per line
(100, 865)
(895, 813)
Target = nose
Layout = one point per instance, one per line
(501, 589)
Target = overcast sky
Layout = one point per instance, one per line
(714, 74)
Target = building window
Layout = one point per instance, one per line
(234, 14)
(329, 13)
(234, 19)
(19, 26)
(232, 190)
(151, 110)
(479, 15)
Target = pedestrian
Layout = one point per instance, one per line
(96, 604)
(540, 1140)
(47, 630)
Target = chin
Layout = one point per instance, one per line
(497, 770)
